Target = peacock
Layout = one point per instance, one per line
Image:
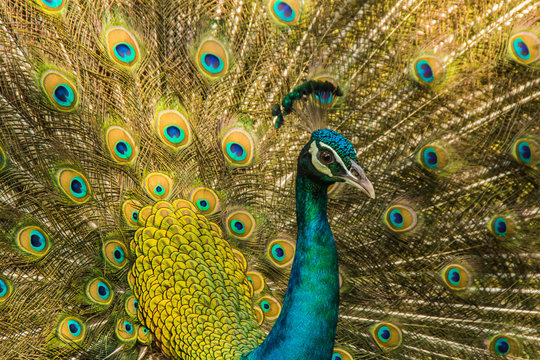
(269, 179)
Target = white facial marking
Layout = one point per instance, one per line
(314, 151)
(358, 180)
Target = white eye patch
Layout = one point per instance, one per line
(314, 151)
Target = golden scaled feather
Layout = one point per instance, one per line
(113, 111)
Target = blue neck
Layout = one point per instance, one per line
(306, 327)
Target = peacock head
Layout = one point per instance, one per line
(329, 157)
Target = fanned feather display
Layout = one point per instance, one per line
(148, 157)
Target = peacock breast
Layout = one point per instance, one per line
(193, 293)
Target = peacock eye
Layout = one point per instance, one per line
(326, 157)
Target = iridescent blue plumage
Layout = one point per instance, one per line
(306, 327)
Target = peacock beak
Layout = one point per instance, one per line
(356, 177)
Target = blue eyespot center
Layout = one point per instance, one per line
(52, 3)
(211, 60)
(135, 216)
(74, 328)
(78, 187)
(63, 95)
(336, 356)
(454, 276)
(265, 305)
(396, 218)
(119, 254)
(37, 240)
(135, 305)
(500, 226)
(121, 147)
(278, 252)
(284, 11)
(203, 205)
(145, 330)
(521, 49)
(124, 52)
(159, 190)
(128, 327)
(430, 158)
(123, 150)
(238, 227)
(384, 333)
(425, 71)
(3, 288)
(502, 347)
(212, 63)
(103, 290)
(174, 134)
(524, 150)
(236, 151)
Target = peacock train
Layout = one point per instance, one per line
(269, 179)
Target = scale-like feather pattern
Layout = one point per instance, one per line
(193, 293)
